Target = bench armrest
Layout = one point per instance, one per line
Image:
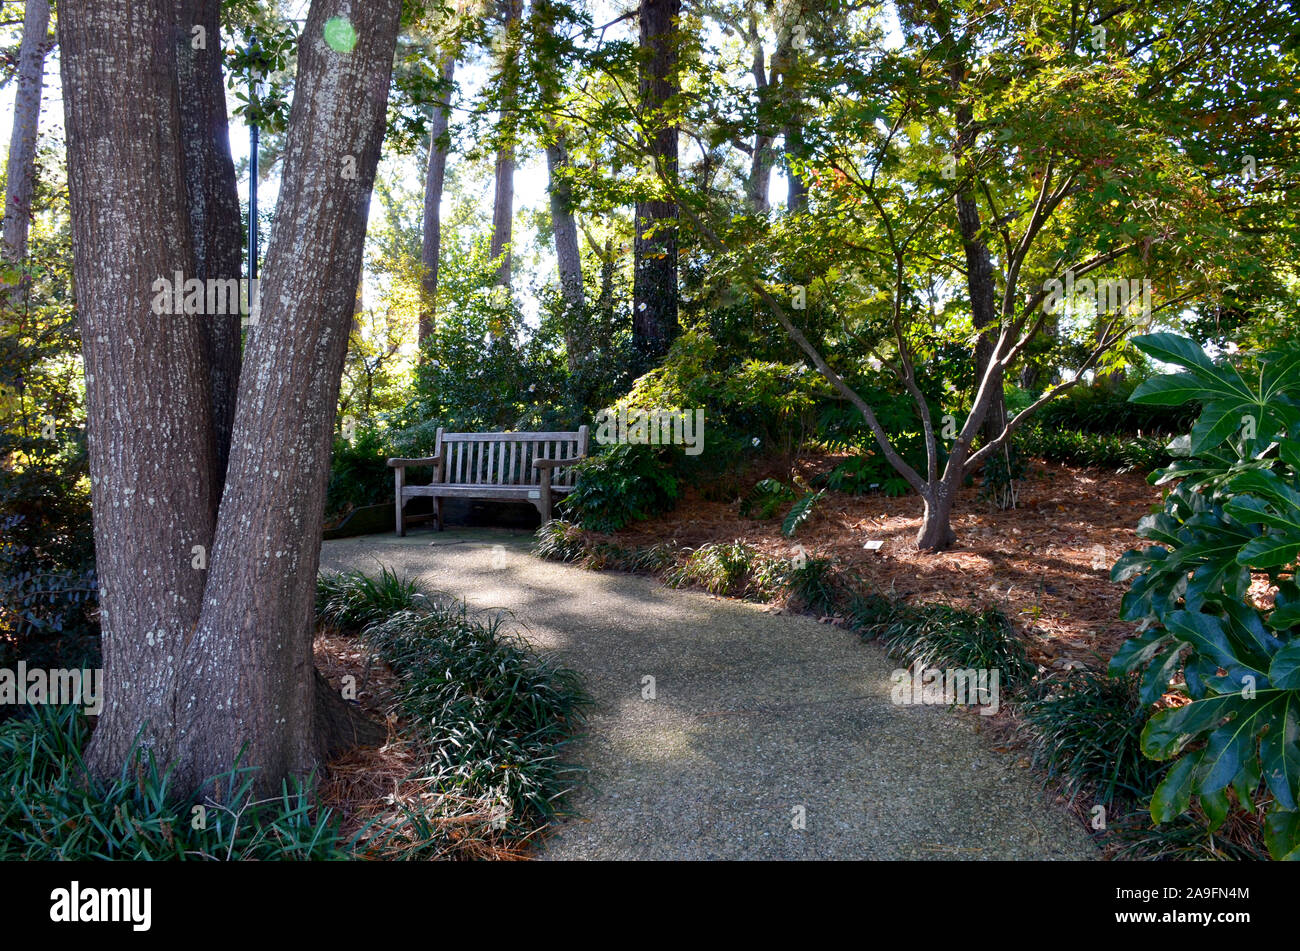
(400, 463)
(555, 463)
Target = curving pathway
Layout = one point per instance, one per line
(757, 718)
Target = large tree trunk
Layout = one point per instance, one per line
(435, 178)
(248, 672)
(503, 203)
(212, 203)
(567, 254)
(202, 672)
(654, 281)
(148, 416)
(27, 114)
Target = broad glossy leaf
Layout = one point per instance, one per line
(1168, 730)
(1174, 348)
(1282, 833)
(1284, 672)
(1174, 794)
(1279, 751)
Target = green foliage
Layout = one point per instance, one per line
(359, 473)
(1001, 477)
(353, 600)
(938, 636)
(736, 570)
(51, 811)
(1105, 409)
(1233, 512)
(626, 483)
(766, 498)
(1087, 736)
(1121, 453)
(558, 540)
(491, 715)
(800, 512)
(816, 584)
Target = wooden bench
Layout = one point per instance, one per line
(530, 467)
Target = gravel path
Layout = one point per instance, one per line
(757, 719)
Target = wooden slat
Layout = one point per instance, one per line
(501, 437)
(510, 466)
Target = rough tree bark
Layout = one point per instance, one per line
(567, 254)
(148, 416)
(435, 178)
(21, 167)
(212, 202)
(503, 202)
(654, 280)
(248, 676)
(199, 670)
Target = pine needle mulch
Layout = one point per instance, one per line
(1045, 564)
(380, 785)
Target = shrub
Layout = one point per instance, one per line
(1102, 451)
(490, 715)
(938, 636)
(51, 810)
(735, 570)
(624, 484)
(767, 498)
(1087, 736)
(1232, 515)
(353, 600)
(359, 473)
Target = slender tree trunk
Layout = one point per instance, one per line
(760, 161)
(148, 402)
(797, 189)
(203, 671)
(503, 204)
(936, 532)
(435, 178)
(567, 254)
(212, 202)
(654, 284)
(27, 114)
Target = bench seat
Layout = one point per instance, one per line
(529, 467)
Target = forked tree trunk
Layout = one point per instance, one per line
(203, 670)
(21, 167)
(654, 281)
(435, 179)
(212, 201)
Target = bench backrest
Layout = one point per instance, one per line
(507, 458)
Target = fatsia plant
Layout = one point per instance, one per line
(1230, 521)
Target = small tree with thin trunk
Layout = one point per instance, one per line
(960, 187)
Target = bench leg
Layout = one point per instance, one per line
(437, 510)
(545, 502)
(399, 479)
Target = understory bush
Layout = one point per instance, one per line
(1086, 736)
(733, 569)
(1100, 450)
(937, 636)
(627, 483)
(489, 715)
(51, 810)
(1231, 519)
